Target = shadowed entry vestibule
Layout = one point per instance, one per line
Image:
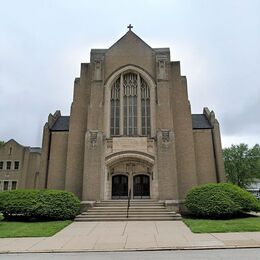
(139, 173)
(141, 187)
(130, 176)
(119, 186)
(138, 184)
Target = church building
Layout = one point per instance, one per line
(130, 129)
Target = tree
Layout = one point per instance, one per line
(2, 143)
(242, 164)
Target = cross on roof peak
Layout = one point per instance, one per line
(130, 27)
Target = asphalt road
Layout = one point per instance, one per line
(230, 254)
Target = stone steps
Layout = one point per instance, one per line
(128, 219)
(131, 207)
(116, 210)
(124, 212)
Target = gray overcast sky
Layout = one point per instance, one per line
(42, 44)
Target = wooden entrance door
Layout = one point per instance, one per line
(119, 187)
(141, 186)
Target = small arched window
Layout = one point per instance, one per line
(115, 109)
(130, 106)
(145, 103)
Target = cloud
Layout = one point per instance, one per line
(244, 121)
(43, 43)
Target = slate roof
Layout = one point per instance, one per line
(35, 149)
(62, 124)
(200, 121)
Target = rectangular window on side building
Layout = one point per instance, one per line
(1, 165)
(6, 185)
(14, 185)
(16, 165)
(8, 165)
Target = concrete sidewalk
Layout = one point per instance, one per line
(133, 235)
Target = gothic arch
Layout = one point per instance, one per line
(128, 155)
(110, 82)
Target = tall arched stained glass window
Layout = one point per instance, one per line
(130, 104)
(145, 108)
(130, 112)
(115, 109)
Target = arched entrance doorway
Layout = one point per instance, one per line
(141, 186)
(119, 186)
(135, 173)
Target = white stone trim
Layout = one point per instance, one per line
(9, 184)
(128, 155)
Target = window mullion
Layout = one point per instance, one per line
(121, 122)
(115, 116)
(139, 119)
(145, 118)
(132, 108)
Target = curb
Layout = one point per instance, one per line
(130, 250)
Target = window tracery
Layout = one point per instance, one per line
(115, 109)
(130, 106)
(145, 111)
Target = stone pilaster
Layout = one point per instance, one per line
(93, 178)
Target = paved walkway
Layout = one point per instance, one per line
(136, 235)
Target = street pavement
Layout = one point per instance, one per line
(213, 254)
(132, 235)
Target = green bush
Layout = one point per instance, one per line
(220, 200)
(242, 197)
(41, 204)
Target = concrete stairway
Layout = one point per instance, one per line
(116, 210)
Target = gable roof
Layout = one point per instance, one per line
(31, 149)
(14, 142)
(130, 34)
(35, 150)
(200, 121)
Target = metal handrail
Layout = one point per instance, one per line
(128, 203)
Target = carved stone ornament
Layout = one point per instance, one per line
(166, 136)
(93, 137)
(98, 70)
(162, 64)
(109, 146)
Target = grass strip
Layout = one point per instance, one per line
(246, 224)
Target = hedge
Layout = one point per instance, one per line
(41, 204)
(220, 200)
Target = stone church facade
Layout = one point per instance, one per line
(130, 128)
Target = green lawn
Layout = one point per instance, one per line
(245, 224)
(31, 229)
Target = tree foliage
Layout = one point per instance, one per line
(242, 164)
(2, 143)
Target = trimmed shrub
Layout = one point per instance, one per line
(41, 204)
(242, 197)
(57, 204)
(220, 200)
